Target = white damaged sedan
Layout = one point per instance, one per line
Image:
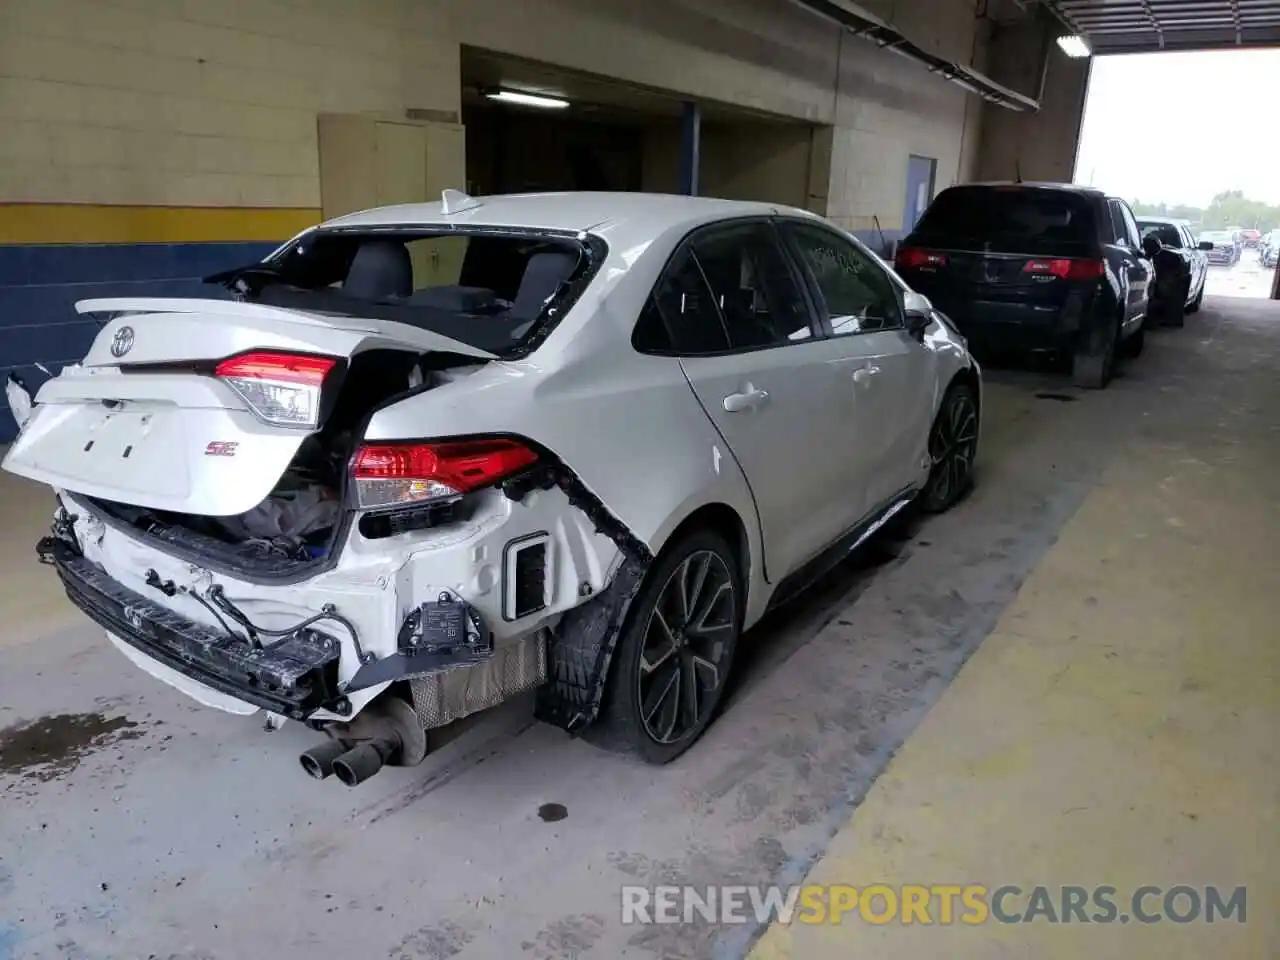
(426, 457)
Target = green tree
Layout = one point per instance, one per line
(1230, 208)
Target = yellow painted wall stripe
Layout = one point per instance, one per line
(91, 223)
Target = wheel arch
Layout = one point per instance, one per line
(724, 520)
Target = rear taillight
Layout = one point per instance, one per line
(914, 257)
(281, 388)
(397, 474)
(1066, 268)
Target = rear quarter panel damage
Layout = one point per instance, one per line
(629, 427)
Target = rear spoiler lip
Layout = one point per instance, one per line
(417, 337)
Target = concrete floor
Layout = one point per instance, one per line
(1116, 727)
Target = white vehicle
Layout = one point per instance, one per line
(430, 456)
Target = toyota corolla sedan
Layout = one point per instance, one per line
(426, 457)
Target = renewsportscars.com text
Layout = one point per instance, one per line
(939, 904)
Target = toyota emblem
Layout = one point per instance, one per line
(122, 342)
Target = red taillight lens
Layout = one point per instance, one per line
(913, 257)
(281, 388)
(390, 474)
(1066, 268)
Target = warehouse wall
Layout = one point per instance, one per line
(146, 142)
(1041, 145)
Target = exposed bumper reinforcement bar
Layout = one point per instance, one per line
(294, 676)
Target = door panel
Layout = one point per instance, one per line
(884, 376)
(785, 414)
(731, 306)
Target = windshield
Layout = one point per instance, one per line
(492, 290)
(1217, 236)
(1008, 220)
(1166, 233)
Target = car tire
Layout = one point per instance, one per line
(660, 655)
(953, 448)
(1093, 364)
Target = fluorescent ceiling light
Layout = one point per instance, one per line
(528, 99)
(1074, 46)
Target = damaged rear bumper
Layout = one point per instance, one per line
(294, 677)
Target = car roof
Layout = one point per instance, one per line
(1037, 185)
(620, 216)
(1173, 220)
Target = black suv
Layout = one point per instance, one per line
(1034, 266)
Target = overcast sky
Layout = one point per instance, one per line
(1207, 120)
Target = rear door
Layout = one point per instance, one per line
(195, 406)
(764, 379)
(1130, 264)
(883, 376)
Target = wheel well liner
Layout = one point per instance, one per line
(580, 648)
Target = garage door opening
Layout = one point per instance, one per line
(565, 130)
(1196, 155)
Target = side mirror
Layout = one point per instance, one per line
(918, 313)
(1151, 245)
(1204, 245)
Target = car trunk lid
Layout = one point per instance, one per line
(147, 420)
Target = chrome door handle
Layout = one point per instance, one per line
(863, 374)
(749, 399)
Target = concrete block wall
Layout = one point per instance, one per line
(147, 142)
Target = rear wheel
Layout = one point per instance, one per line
(1095, 357)
(675, 652)
(953, 448)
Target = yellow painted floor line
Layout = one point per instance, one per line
(1119, 728)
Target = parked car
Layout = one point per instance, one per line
(1225, 250)
(1269, 249)
(1181, 267)
(1035, 266)
(1250, 238)
(437, 454)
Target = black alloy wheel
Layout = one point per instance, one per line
(675, 653)
(953, 448)
(684, 643)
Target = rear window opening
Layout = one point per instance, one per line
(1166, 233)
(494, 290)
(301, 524)
(1009, 220)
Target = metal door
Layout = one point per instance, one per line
(921, 173)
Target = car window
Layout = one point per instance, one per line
(1119, 234)
(1007, 219)
(1167, 233)
(753, 286)
(1130, 225)
(491, 291)
(856, 293)
(680, 315)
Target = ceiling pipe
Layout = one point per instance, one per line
(870, 27)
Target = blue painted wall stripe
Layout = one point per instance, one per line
(40, 284)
